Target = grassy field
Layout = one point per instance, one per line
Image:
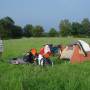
(62, 76)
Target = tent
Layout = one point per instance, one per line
(78, 51)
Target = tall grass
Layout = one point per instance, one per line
(62, 76)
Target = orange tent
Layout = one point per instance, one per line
(76, 53)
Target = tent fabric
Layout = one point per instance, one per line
(85, 46)
(78, 57)
(76, 52)
(67, 53)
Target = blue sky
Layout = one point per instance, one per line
(47, 13)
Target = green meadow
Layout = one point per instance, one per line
(62, 76)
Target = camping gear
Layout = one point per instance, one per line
(17, 60)
(42, 61)
(76, 52)
(45, 51)
(41, 51)
(29, 57)
(47, 55)
(49, 48)
(32, 57)
(33, 51)
(55, 50)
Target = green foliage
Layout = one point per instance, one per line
(53, 32)
(38, 31)
(16, 32)
(28, 30)
(6, 21)
(8, 29)
(76, 29)
(65, 28)
(3, 33)
(5, 27)
(86, 26)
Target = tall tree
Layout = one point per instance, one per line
(16, 32)
(53, 32)
(7, 22)
(65, 28)
(28, 30)
(86, 26)
(77, 29)
(3, 33)
(6, 25)
(38, 31)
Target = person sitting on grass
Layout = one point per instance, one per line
(31, 56)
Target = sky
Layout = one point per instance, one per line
(47, 13)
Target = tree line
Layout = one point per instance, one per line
(76, 29)
(8, 29)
